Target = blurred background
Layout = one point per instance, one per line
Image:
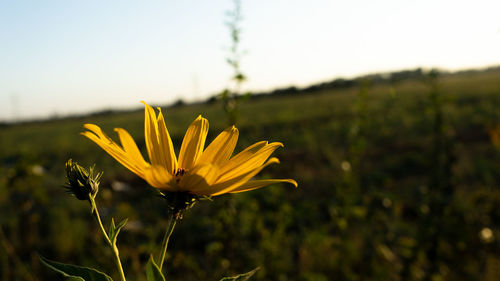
(388, 111)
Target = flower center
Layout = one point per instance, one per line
(179, 173)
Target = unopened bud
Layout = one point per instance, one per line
(81, 183)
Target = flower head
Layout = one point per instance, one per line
(81, 183)
(200, 171)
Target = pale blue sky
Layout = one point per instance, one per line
(61, 57)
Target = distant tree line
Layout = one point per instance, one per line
(375, 79)
(336, 84)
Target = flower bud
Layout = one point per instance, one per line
(81, 183)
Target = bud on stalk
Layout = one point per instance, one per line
(81, 183)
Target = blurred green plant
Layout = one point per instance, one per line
(231, 96)
(84, 185)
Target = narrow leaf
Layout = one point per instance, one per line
(116, 230)
(121, 224)
(240, 277)
(75, 273)
(112, 229)
(153, 272)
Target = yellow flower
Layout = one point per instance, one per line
(208, 172)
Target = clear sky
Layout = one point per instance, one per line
(62, 57)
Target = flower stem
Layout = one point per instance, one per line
(170, 229)
(116, 254)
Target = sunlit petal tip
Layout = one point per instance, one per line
(272, 160)
(160, 117)
(233, 130)
(203, 119)
(95, 130)
(293, 182)
(148, 107)
(86, 133)
(277, 144)
(255, 184)
(200, 119)
(91, 127)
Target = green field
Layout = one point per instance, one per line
(398, 180)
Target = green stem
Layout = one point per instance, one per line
(116, 254)
(170, 229)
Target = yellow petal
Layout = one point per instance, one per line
(129, 145)
(247, 160)
(251, 185)
(227, 186)
(108, 145)
(244, 155)
(193, 143)
(157, 176)
(151, 137)
(166, 145)
(199, 178)
(221, 148)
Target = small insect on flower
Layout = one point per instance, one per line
(81, 183)
(198, 171)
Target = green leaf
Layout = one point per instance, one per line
(120, 225)
(112, 229)
(241, 277)
(115, 230)
(75, 273)
(153, 272)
